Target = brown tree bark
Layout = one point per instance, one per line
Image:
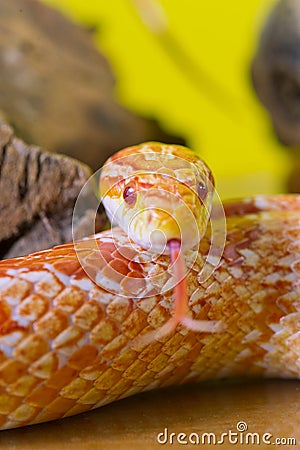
(38, 191)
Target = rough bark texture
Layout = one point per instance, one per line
(38, 191)
(276, 78)
(57, 90)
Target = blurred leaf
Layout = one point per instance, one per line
(195, 79)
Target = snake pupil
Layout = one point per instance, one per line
(129, 195)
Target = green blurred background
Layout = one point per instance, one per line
(188, 65)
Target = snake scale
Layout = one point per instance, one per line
(68, 345)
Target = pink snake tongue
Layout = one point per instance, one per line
(180, 306)
(180, 289)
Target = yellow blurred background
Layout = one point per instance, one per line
(201, 90)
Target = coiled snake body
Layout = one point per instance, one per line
(68, 345)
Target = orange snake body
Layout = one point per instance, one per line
(68, 346)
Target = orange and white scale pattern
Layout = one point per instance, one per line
(68, 346)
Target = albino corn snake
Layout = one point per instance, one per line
(67, 345)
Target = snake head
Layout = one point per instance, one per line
(156, 193)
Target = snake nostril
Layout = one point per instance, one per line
(129, 195)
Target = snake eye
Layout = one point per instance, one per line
(202, 191)
(129, 195)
